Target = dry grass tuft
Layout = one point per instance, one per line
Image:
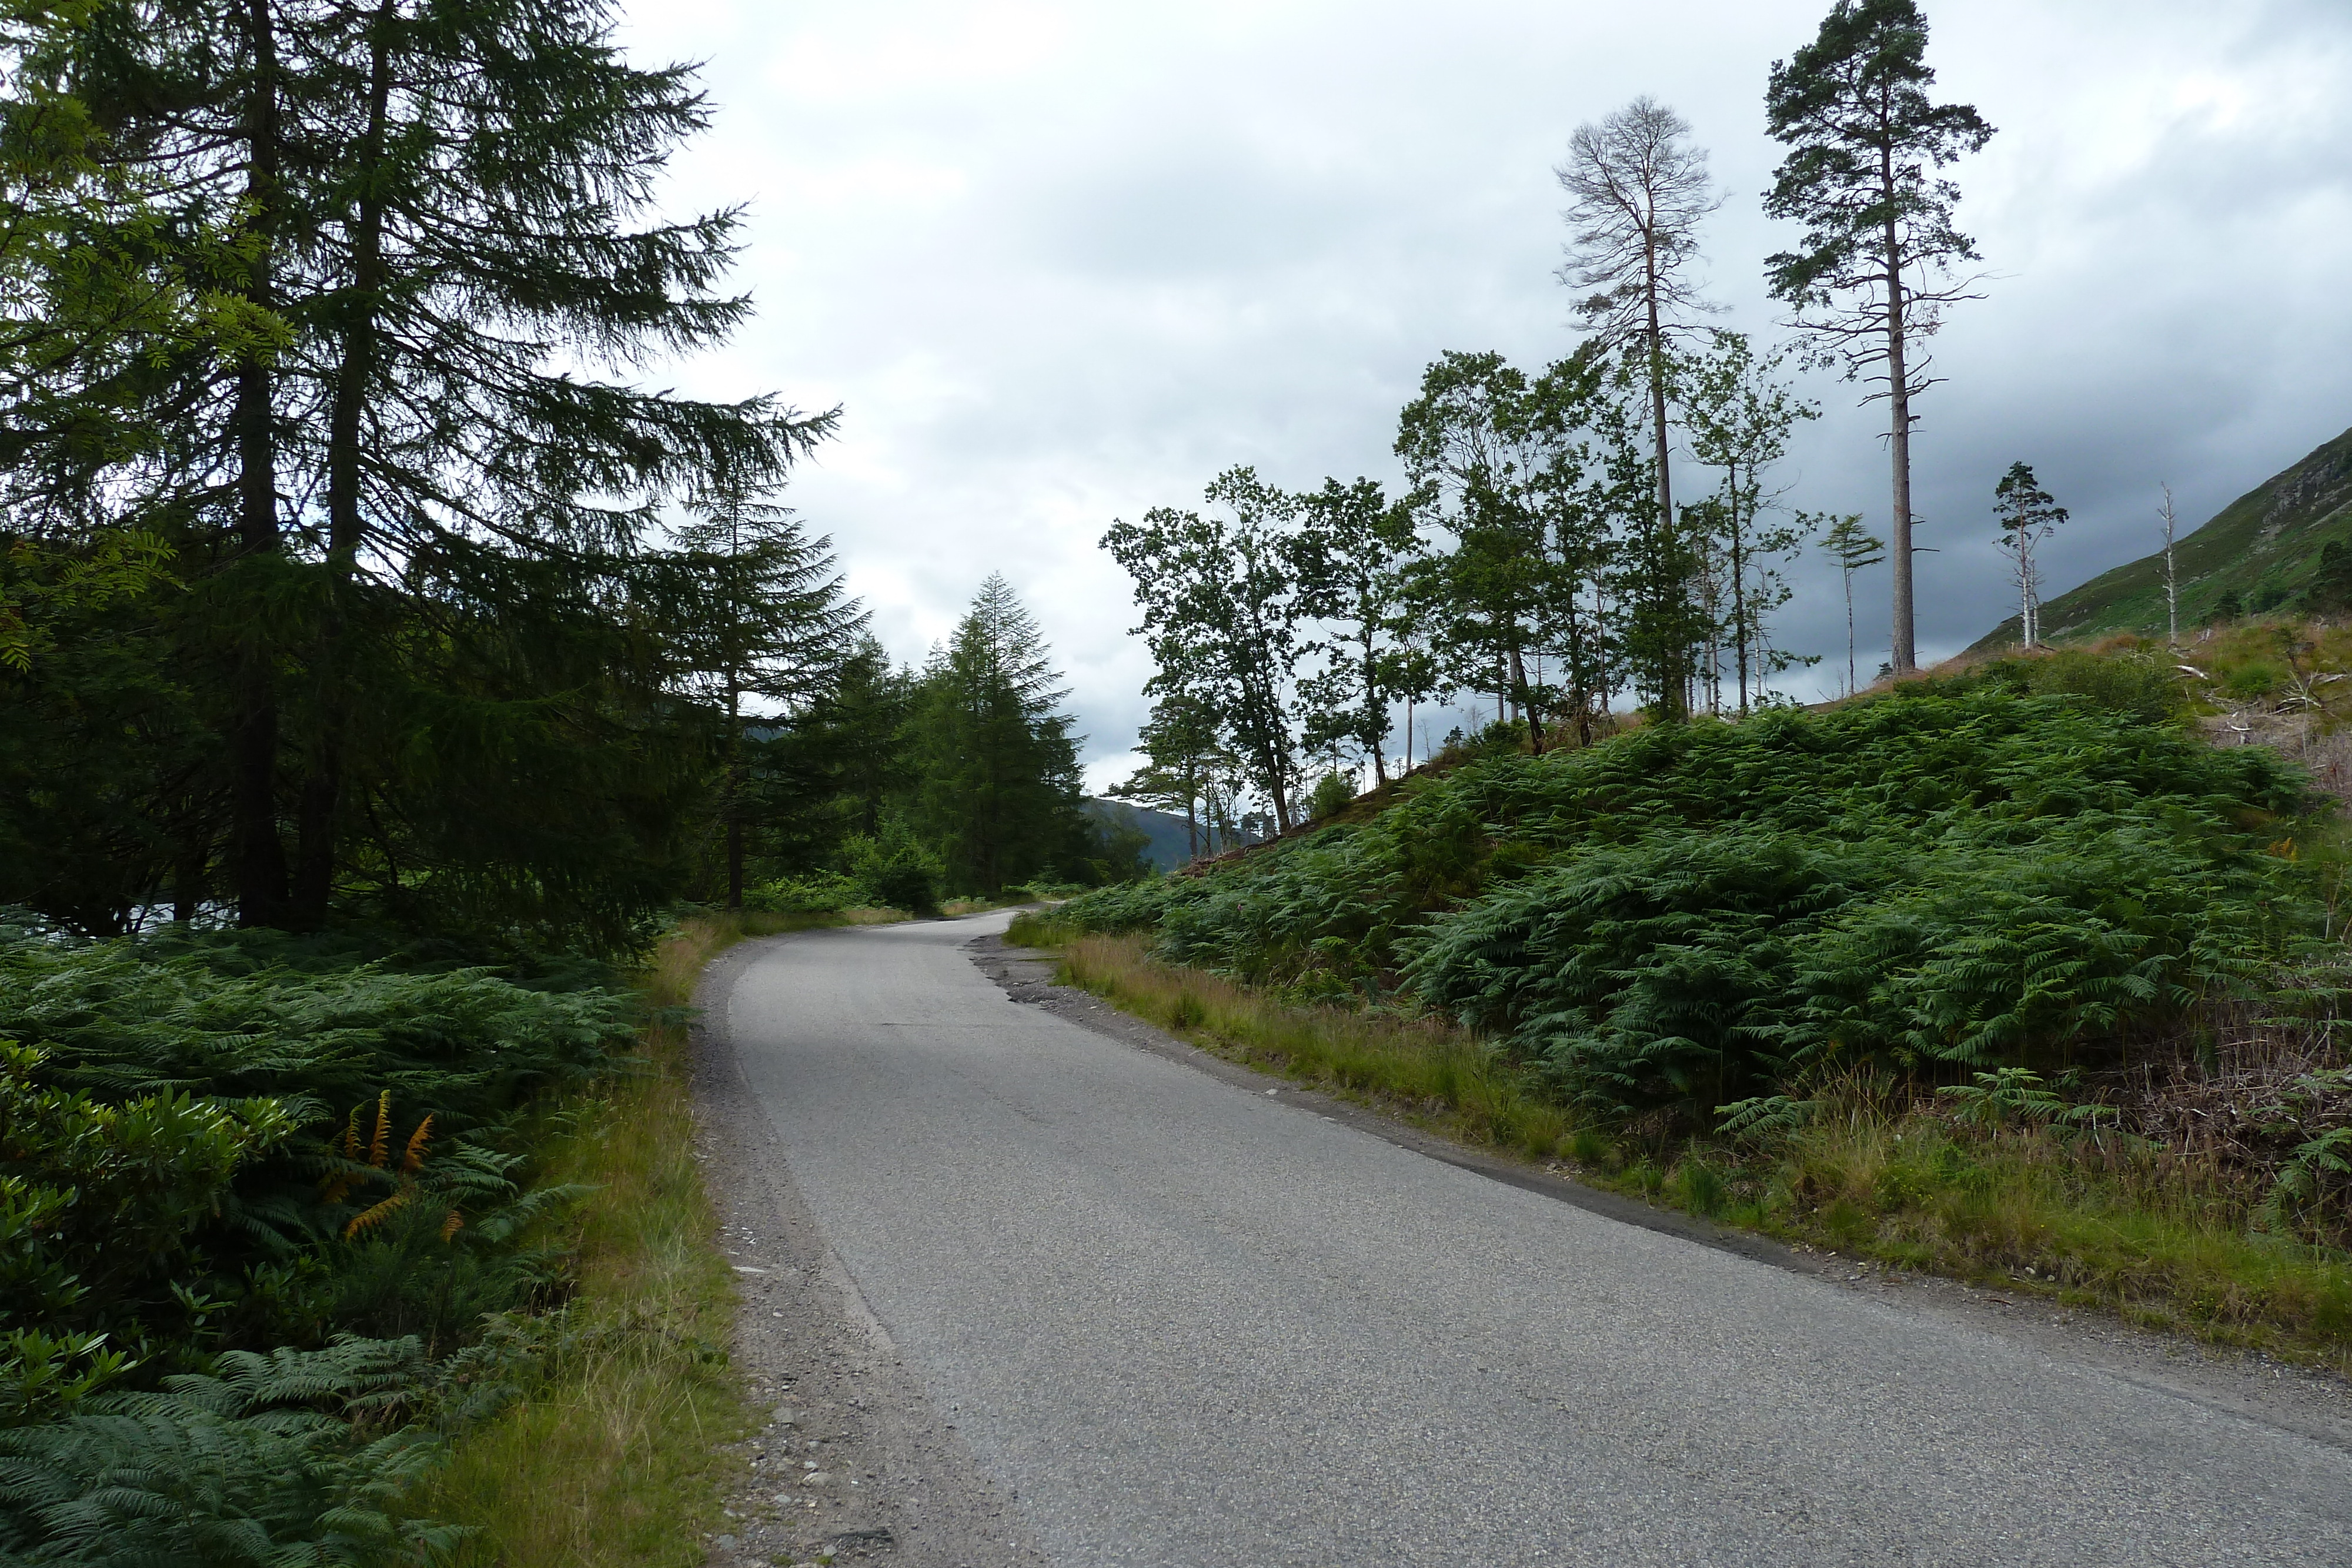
(1438, 1074)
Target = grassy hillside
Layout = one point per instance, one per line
(2008, 973)
(2264, 545)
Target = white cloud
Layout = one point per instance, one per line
(1061, 262)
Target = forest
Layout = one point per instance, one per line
(386, 670)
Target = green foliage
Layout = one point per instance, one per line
(997, 764)
(896, 869)
(2141, 684)
(1333, 794)
(228, 1156)
(1689, 916)
(2009, 1095)
(820, 892)
(259, 1462)
(101, 1210)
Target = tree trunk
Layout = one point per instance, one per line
(1673, 679)
(321, 798)
(734, 797)
(1905, 657)
(257, 856)
(1738, 589)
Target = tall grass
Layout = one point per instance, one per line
(1874, 1170)
(613, 1460)
(1439, 1074)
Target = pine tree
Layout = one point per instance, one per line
(1863, 142)
(422, 514)
(2027, 513)
(766, 621)
(997, 764)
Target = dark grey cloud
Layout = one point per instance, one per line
(1063, 262)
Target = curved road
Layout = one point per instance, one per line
(1184, 1322)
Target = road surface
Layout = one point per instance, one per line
(1181, 1322)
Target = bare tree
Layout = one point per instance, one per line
(1874, 273)
(1637, 190)
(2171, 582)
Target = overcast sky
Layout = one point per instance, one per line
(1063, 262)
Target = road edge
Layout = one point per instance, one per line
(2249, 1385)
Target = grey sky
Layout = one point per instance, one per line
(1063, 262)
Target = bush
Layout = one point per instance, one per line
(1333, 794)
(219, 1155)
(1975, 873)
(896, 869)
(820, 892)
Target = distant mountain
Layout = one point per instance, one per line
(1169, 848)
(2263, 545)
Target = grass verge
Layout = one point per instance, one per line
(612, 1458)
(1965, 1189)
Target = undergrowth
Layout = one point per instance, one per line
(2007, 975)
(1996, 1188)
(324, 1251)
(611, 1460)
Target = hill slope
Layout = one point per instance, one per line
(2267, 541)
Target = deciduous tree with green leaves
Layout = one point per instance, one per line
(1845, 543)
(1740, 417)
(1219, 600)
(1349, 554)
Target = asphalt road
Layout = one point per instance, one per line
(1184, 1322)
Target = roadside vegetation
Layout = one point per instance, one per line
(2009, 974)
(323, 1253)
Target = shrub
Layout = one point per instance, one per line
(896, 869)
(1691, 915)
(820, 892)
(1333, 794)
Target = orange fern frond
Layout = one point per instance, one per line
(352, 1136)
(331, 1188)
(417, 1142)
(380, 1152)
(451, 1226)
(374, 1216)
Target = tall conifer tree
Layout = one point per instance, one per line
(1873, 276)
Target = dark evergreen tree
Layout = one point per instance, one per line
(997, 763)
(766, 621)
(1872, 278)
(415, 528)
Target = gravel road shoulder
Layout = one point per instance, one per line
(2293, 1399)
